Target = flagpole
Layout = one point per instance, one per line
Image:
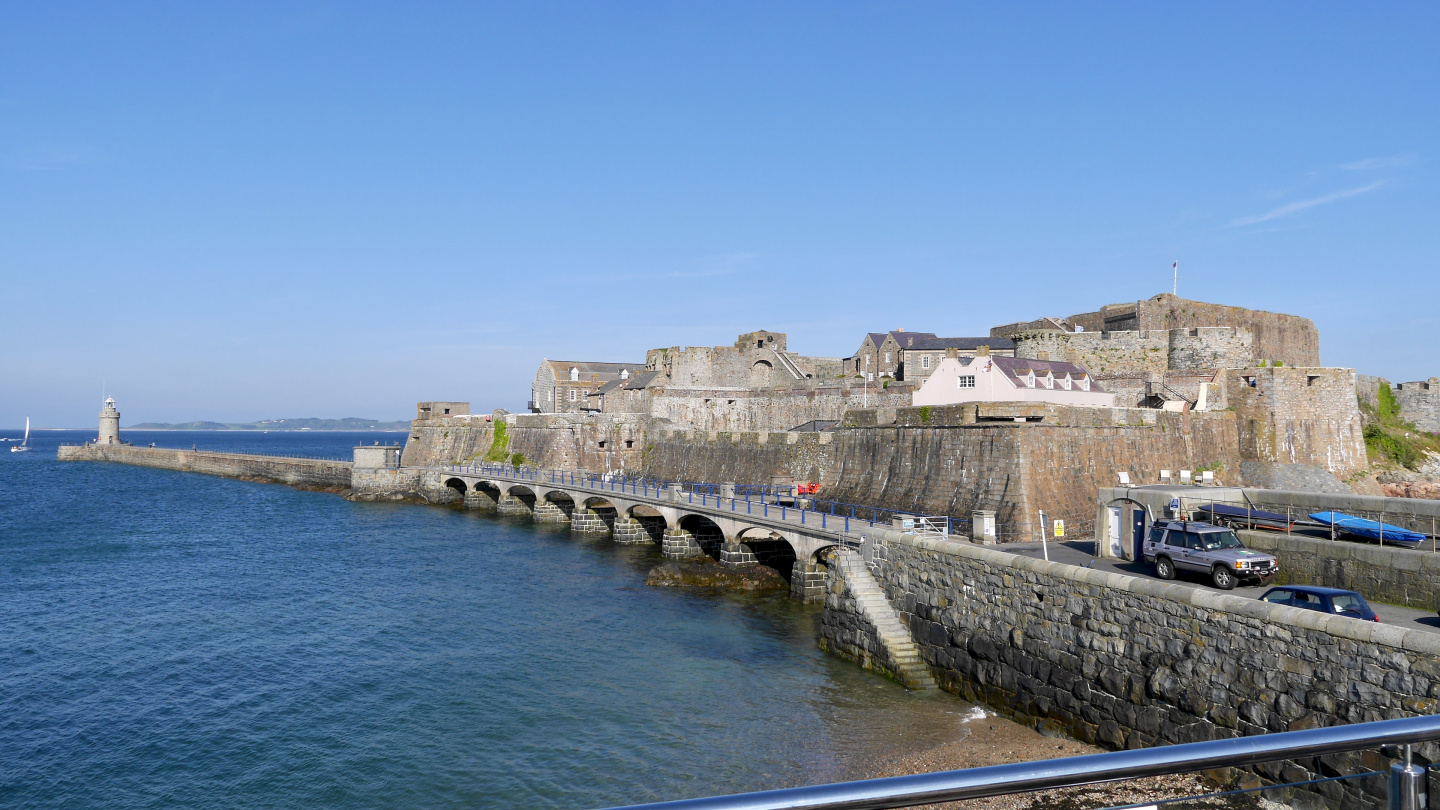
(1175, 290)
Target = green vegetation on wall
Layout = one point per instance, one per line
(924, 414)
(499, 444)
(1391, 438)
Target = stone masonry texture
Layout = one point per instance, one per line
(1125, 662)
(297, 472)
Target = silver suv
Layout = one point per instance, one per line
(1177, 545)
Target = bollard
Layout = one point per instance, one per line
(1407, 785)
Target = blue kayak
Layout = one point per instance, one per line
(1226, 515)
(1371, 529)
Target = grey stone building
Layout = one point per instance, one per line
(881, 353)
(920, 358)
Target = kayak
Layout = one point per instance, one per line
(1370, 529)
(1227, 515)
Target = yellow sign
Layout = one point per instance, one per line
(1059, 528)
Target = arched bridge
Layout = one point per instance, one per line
(732, 527)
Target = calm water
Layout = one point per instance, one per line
(170, 639)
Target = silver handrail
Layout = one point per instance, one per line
(1023, 777)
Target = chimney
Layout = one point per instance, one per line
(952, 352)
(982, 351)
(1042, 356)
(899, 330)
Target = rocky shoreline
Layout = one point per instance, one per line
(703, 572)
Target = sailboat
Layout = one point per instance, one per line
(24, 445)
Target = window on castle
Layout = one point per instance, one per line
(887, 357)
(572, 394)
(1310, 380)
(629, 444)
(967, 381)
(1084, 383)
(1065, 382)
(924, 361)
(1030, 380)
(602, 445)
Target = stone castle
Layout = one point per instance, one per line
(1197, 385)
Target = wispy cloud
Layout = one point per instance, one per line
(1296, 207)
(1391, 162)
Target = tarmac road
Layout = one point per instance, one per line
(1080, 552)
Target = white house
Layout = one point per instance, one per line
(988, 378)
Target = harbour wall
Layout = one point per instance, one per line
(1126, 662)
(1399, 576)
(303, 473)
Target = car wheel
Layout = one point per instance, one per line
(1164, 568)
(1223, 579)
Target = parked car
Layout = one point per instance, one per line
(1180, 545)
(1325, 600)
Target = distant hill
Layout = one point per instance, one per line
(349, 423)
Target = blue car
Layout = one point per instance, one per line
(1325, 600)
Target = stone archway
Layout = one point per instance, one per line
(640, 524)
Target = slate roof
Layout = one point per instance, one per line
(641, 380)
(962, 343)
(1015, 368)
(604, 371)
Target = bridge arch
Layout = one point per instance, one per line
(456, 484)
(707, 533)
(562, 501)
(651, 522)
(602, 509)
(523, 494)
(771, 549)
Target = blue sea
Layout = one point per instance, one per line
(179, 640)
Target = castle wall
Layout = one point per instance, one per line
(971, 457)
(1290, 339)
(1211, 347)
(1299, 416)
(742, 458)
(1420, 403)
(740, 410)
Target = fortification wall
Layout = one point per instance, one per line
(1101, 352)
(970, 457)
(1299, 416)
(599, 443)
(738, 410)
(1290, 339)
(1420, 403)
(1211, 347)
(446, 440)
(1126, 662)
(302, 473)
(742, 458)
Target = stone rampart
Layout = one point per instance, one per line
(1289, 339)
(1420, 403)
(1399, 576)
(743, 458)
(302, 473)
(746, 410)
(991, 462)
(1127, 662)
(1299, 416)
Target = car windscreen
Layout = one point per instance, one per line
(1280, 596)
(1349, 603)
(1221, 540)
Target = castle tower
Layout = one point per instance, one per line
(109, 424)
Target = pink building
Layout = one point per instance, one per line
(988, 378)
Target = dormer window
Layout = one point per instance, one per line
(1048, 381)
(1065, 382)
(574, 374)
(624, 373)
(1084, 383)
(1029, 379)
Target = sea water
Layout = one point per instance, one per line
(172, 639)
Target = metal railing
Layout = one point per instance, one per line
(767, 501)
(1407, 781)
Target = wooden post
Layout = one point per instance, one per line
(1287, 521)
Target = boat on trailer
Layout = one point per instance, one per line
(1369, 529)
(1239, 517)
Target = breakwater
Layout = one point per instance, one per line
(1126, 662)
(304, 473)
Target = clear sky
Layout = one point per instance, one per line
(240, 211)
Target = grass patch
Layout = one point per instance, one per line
(518, 460)
(499, 444)
(924, 414)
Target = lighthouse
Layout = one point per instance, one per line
(109, 424)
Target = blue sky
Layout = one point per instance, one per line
(245, 211)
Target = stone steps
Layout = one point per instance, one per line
(870, 599)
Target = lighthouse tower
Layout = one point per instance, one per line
(109, 424)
